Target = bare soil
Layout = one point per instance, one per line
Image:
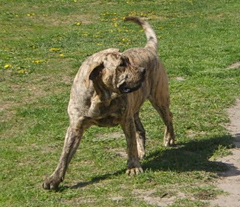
(229, 181)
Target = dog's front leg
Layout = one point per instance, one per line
(72, 140)
(140, 136)
(133, 163)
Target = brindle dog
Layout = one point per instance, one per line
(108, 90)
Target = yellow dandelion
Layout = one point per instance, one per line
(54, 49)
(61, 55)
(22, 71)
(78, 23)
(38, 61)
(7, 66)
(31, 14)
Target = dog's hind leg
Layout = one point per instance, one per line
(162, 106)
(140, 136)
(169, 136)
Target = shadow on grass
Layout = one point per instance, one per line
(98, 179)
(192, 156)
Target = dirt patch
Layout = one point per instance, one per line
(72, 19)
(179, 78)
(229, 181)
(149, 196)
(234, 66)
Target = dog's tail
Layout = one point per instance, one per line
(152, 41)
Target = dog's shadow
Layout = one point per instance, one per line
(192, 156)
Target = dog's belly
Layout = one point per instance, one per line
(109, 121)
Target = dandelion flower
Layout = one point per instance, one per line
(31, 14)
(53, 49)
(7, 66)
(38, 61)
(22, 71)
(78, 23)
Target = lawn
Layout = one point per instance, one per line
(42, 45)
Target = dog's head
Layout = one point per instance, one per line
(116, 73)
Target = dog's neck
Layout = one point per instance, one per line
(101, 91)
(102, 97)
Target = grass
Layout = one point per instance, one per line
(42, 45)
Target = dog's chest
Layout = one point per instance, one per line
(109, 113)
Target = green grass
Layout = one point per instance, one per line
(42, 46)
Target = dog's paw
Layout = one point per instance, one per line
(50, 184)
(168, 143)
(134, 171)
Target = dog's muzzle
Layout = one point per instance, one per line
(125, 88)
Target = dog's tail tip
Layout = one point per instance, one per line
(130, 18)
(134, 19)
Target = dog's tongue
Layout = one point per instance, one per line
(124, 89)
(127, 90)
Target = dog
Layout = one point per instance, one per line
(108, 90)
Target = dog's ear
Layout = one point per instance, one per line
(94, 72)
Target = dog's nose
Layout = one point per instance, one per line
(143, 71)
